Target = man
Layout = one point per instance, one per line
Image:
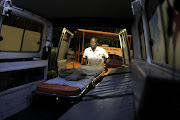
(95, 55)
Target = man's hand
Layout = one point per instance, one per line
(107, 64)
(84, 61)
(105, 68)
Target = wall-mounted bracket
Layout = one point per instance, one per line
(7, 7)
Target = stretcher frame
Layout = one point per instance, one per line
(74, 97)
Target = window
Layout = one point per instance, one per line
(164, 24)
(32, 36)
(142, 40)
(156, 33)
(20, 34)
(171, 29)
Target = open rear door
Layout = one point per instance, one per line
(124, 44)
(63, 47)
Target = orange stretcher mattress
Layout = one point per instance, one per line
(64, 87)
(58, 89)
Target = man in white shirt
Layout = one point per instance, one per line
(95, 55)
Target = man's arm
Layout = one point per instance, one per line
(84, 61)
(107, 60)
(107, 63)
(84, 57)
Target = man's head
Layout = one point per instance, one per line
(93, 42)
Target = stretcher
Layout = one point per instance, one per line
(72, 89)
(112, 99)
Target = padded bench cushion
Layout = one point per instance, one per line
(58, 89)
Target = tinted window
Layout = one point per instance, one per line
(142, 40)
(20, 34)
(165, 35)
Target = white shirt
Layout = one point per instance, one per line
(95, 58)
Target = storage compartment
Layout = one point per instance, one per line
(16, 78)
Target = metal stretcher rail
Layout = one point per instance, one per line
(77, 97)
